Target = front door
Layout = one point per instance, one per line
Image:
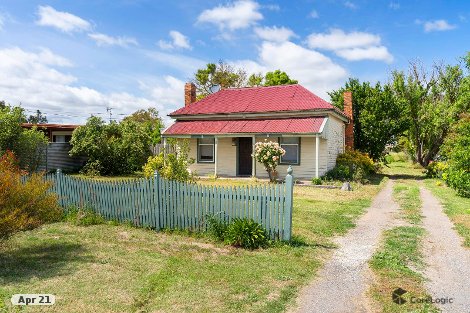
(245, 149)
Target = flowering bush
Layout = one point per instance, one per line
(268, 153)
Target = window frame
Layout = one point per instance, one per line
(205, 144)
(290, 144)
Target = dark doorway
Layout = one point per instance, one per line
(245, 149)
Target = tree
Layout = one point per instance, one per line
(277, 78)
(150, 120)
(255, 80)
(27, 145)
(115, 148)
(456, 152)
(433, 101)
(378, 119)
(37, 118)
(221, 74)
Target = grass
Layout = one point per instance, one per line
(105, 268)
(398, 262)
(456, 207)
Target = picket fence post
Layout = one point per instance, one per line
(289, 185)
(58, 186)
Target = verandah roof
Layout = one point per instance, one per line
(308, 125)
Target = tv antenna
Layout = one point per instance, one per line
(110, 111)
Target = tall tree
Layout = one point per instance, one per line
(277, 78)
(150, 120)
(222, 74)
(378, 119)
(37, 118)
(433, 101)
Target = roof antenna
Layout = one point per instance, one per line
(109, 110)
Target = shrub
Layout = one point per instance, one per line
(456, 152)
(437, 170)
(352, 165)
(83, 216)
(217, 228)
(24, 205)
(268, 153)
(246, 233)
(120, 148)
(317, 181)
(174, 166)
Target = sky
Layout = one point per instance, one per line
(71, 59)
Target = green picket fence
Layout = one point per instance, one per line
(161, 203)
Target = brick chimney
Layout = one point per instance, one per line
(189, 93)
(348, 110)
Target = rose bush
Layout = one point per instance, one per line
(268, 153)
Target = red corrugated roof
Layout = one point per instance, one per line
(264, 126)
(256, 99)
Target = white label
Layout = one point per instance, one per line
(33, 299)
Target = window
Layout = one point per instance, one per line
(61, 138)
(205, 150)
(292, 147)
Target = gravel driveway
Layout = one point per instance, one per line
(448, 262)
(343, 281)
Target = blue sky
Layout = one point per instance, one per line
(71, 59)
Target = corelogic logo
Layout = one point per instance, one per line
(397, 296)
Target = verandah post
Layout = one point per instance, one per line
(289, 190)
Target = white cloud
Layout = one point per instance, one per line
(378, 53)
(272, 7)
(184, 64)
(37, 81)
(178, 40)
(437, 25)
(314, 14)
(277, 34)
(237, 15)
(353, 46)
(312, 69)
(63, 21)
(350, 5)
(394, 5)
(338, 39)
(106, 40)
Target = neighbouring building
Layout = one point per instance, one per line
(223, 128)
(56, 154)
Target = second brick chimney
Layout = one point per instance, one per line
(189, 93)
(348, 110)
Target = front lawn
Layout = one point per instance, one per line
(107, 268)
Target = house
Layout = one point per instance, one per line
(56, 154)
(223, 128)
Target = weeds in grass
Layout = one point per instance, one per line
(83, 216)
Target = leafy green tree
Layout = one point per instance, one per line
(255, 80)
(27, 145)
(37, 118)
(115, 148)
(10, 127)
(277, 78)
(456, 152)
(432, 102)
(151, 122)
(378, 118)
(221, 74)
